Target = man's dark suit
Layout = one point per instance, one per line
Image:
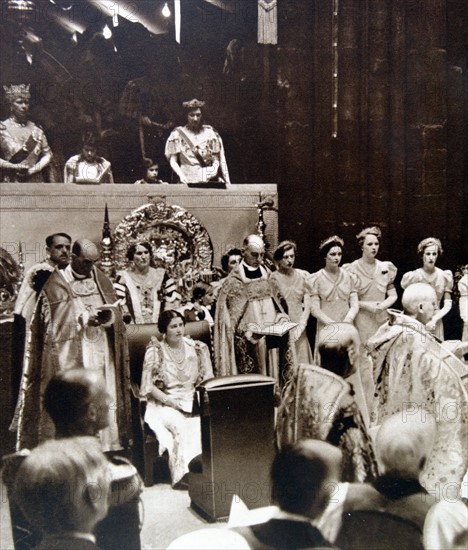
(284, 534)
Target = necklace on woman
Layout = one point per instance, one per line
(18, 124)
(176, 354)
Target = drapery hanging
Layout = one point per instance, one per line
(267, 21)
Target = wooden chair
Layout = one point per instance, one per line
(375, 530)
(146, 446)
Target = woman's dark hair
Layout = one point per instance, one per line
(328, 244)
(166, 317)
(146, 165)
(90, 139)
(132, 249)
(225, 258)
(198, 293)
(282, 248)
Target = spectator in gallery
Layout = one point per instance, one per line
(88, 167)
(151, 174)
(24, 151)
(195, 151)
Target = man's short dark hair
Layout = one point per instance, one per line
(67, 397)
(297, 477)
(76, 248)
(334, 345)
(50, 239)
(335, 359)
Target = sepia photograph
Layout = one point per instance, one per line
(234, 274)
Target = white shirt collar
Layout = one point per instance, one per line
(249, 267)
(76, 535)
(70, 275)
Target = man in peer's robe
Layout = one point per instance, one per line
(415, 374)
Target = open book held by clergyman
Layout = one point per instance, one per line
(275, 329)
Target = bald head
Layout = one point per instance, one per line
(404, 442)
(84, 254)
(420, 301)
(338, 346)
(253, 250)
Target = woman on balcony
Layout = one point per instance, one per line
(24, 151)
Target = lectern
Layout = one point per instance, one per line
(237, 429)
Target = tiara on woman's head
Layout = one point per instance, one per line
(17, 90)
(430, 241)
(333, 239)
(193, 104)
(374, 230)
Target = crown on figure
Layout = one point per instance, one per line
(374, 230)
(17, 90)
(193, 104)
(334, 240)
(430, 241)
